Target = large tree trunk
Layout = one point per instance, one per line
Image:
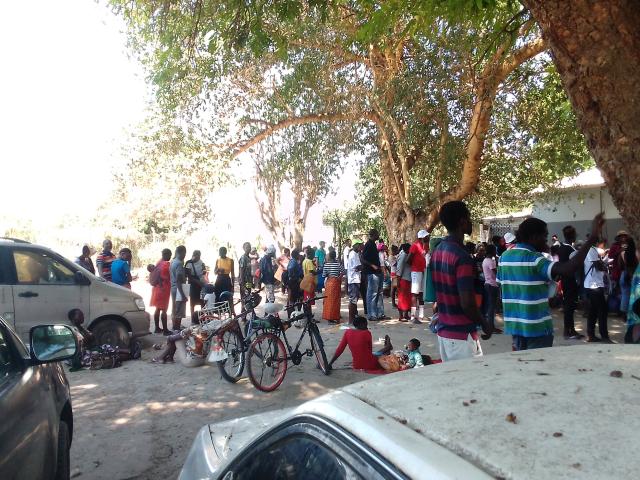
(399, 220)
(596, 49)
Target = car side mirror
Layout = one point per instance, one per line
(80, 279)
(52, 343)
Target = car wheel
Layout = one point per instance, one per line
(111, 332)
(63, 466)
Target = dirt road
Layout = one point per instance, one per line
(138, 421)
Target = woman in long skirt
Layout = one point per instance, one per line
(161, 292)
(403, 274)
(333, 272)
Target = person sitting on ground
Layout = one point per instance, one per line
(360, 344)
(85, 337)
(95, 356)
(413, 352)
(193, 353)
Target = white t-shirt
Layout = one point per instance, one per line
(345, 257)
(210, 300)
(353, 276)
(594, 278)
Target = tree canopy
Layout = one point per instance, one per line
(447, 98)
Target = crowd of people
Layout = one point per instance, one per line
(466, 284)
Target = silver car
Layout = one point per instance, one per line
(35, 403)
(565, 412)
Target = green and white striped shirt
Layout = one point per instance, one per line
(524, 275)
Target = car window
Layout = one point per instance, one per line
(35, 267)
(295, 457)
(7, 363)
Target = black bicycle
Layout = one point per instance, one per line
(235, 340)
(268, 355)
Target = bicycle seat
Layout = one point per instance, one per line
(273, 308)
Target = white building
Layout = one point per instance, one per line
(575, 202)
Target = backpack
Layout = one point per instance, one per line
(155, 280)
(285, 277)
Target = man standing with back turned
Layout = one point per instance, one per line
(525, 275)
(569, 285)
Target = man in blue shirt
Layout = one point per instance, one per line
(121, 269)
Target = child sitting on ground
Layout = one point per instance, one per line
(416, 359)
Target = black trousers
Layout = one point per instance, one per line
(569, 305)
(598, 311)
(363, 292)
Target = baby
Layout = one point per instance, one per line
(416, 359)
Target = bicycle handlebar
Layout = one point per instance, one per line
(246, 297)
(303, 302)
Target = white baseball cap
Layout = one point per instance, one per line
(423, 234)
(509, 237)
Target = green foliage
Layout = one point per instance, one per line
(166, 183)
(233, 69)
(355, 220)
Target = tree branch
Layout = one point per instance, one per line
(493, 75)
(272, 128)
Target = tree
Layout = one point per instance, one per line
(596, 49)
(305, 163)
(411, 89)
(166, 182)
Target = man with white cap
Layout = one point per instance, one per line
(509, 240)
(418, 262)
(267, 276)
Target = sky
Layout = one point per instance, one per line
(70, 96)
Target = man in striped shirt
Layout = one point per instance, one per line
(525, 274)
(104, 260)
(453, 273)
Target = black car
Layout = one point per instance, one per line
(37, 419)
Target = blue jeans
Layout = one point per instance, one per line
(374, 292)
(528, 343)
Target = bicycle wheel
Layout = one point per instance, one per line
(267, 362)
(232, 367)
(317, 345)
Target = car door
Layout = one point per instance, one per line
(309, 448)
(45, 290)
(6, 291)
(25, 435)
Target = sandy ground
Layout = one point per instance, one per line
(138, 421)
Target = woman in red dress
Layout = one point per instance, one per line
(403, 274)
(161, 291)
(360, 344)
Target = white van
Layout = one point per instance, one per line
(38, 286)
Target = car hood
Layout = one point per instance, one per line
(221, 440)
(549, 413)
(110, 292)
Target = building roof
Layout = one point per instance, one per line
(588, 178)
